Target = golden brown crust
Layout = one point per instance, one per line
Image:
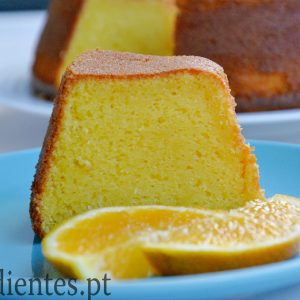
(54, 40)
(108, 64)
(46, 156)
(124, 64)
(255, 37)
(285, 101)
(207, 5)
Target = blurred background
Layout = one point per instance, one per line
(23, 4)
(20, 25)
(24, 117)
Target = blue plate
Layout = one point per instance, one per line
(20, 251)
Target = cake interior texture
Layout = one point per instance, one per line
(170, 139)
(143, 26)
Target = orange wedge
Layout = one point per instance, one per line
(136, 242)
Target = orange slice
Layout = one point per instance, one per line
(136, 242)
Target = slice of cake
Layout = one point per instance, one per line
(140, 26)
(254, 41)
(130, 129)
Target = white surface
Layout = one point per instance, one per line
(19, 33)
(281, 125)
(24, 118)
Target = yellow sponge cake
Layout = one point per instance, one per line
(253, 40)
(131, 129)
(73, 27)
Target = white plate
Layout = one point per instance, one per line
(19, 33)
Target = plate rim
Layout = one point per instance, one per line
(284, 273)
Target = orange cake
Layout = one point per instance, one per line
(254, 40)
(131, 129)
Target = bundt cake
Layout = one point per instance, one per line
(254, 40)
(131, 129)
